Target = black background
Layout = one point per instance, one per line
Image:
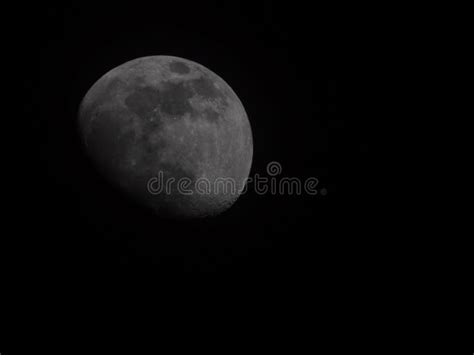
(86, 241)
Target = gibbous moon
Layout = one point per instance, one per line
(155, 122)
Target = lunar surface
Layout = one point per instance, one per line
(156, 122)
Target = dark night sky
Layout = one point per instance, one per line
(285, 66)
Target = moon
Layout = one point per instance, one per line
(170, 133)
